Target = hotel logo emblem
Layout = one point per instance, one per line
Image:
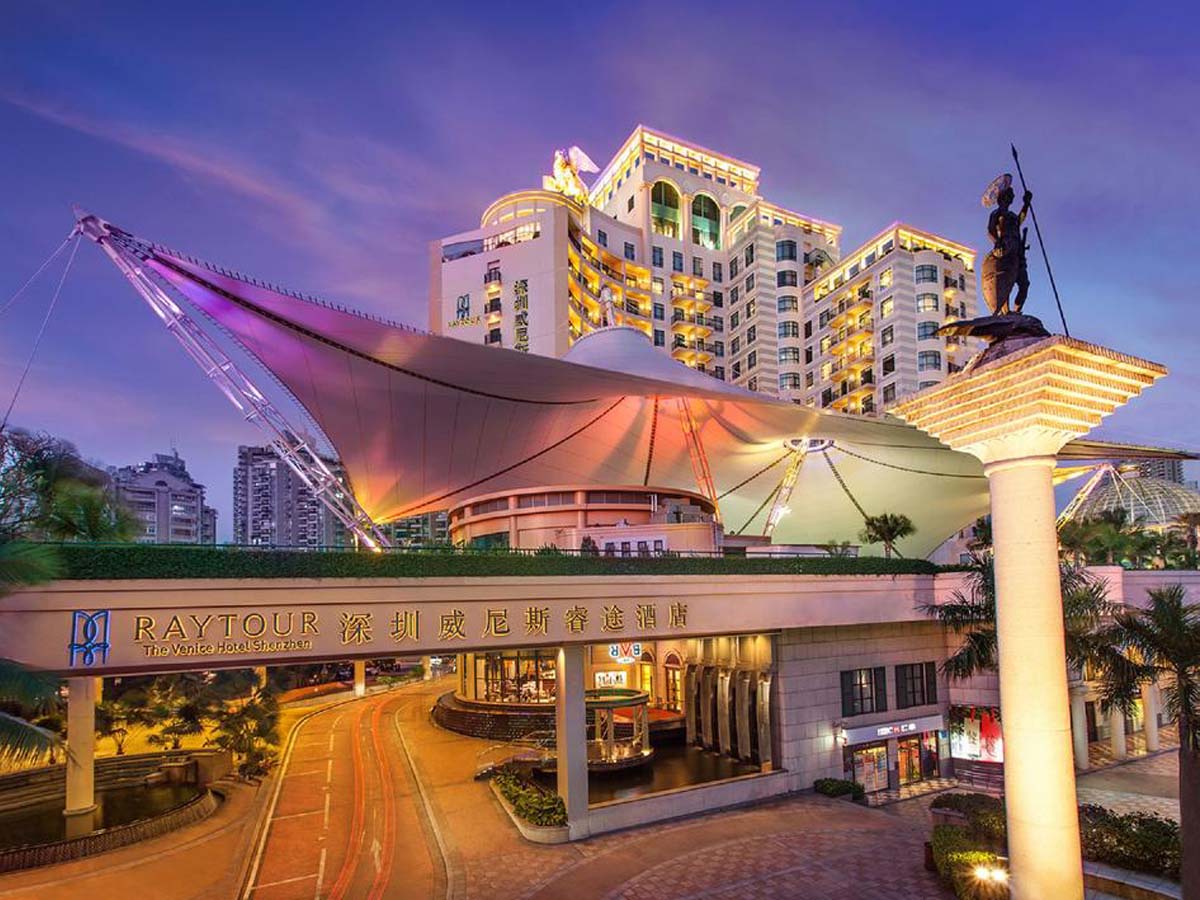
(89, 638)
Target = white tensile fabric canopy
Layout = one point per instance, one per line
(422, 422)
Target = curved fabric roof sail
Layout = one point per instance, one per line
(421, 422)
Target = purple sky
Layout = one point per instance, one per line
(322, 148)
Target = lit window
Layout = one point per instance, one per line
(706, 222)
(886, 305)
(926, 274)
(886, 336)
(787, 304)
(885, 277)
(928, 302)
(664, 208)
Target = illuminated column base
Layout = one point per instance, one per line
(570, 723)
(360, 677)
(1150, 714)
(426, 668)
(81, 755)
(1014, 414)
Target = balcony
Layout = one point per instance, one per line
(493, 306)
(491, 277)
(692, 352)
(493, 337)
(693, 325)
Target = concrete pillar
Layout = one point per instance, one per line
(1039, 773)
(570, 722)
(1079, 737)
(1116, 733)
(1150, 714)
(81, 755)
(426, 668)
(360, 677)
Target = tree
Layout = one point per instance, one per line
(26, 693)
(82, 512)
(118, 719)
(1161, 644)
(1189, 523)
(981, 535)
(1074, 539)
(971, 613)
(183, 704)
(1113, 536)
(886, 529)
(250, 730)
(838, 549)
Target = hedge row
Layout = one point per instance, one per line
(91, 561)
(1139, 842)
(531, 803)
(841, 787)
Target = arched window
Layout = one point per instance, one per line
(737, 211)
(706, 222)
(664, 209)
(673, 688)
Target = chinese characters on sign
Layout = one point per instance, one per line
(406, 625)
(537, 619)
(453, 625)
(356, 628)
(521, 318)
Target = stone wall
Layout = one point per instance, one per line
(809, 662)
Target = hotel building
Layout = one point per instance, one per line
(678, 242)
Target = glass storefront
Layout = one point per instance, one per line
(868, 765)
(515, 676)
(917, 757)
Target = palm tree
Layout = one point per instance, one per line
(838, 549)
(972, 614)
(84, 512)
(981, 535)
(1190, 523)
(20, 740)
(1113, 536)
(1074, 539)
(1161, 644)
(886, 529)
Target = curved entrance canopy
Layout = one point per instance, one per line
(421, 422)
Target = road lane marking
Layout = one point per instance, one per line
(327, 796)
(294, 815)
(259, 887)
(329, 771)
(320, 875)
(300, 774)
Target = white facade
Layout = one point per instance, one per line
(679, 240)
(167, 502)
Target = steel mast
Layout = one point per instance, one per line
(128, 254)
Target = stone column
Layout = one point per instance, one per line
(570, 722)
(1019, 404)
(81, 755)
(1150, 714)
(1079, 736)
(426, 668)
(360, 677)
(1116, 733)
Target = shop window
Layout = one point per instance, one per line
(916, 684)
(516, 676)
(864, 691)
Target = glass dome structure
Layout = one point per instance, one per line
(1154, 502)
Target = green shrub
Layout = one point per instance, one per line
(956, 854)
(840, 787)
(530, 802)
(1140, 842)
(110, 561)
(985, 815)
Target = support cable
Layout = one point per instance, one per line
(745, 481)
(841, 481)
(37, 341)
(898, 468)
(653, 433)
(754, 515)
(32, 278)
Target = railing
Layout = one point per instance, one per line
(199, 807)
(491, 276)
(492, 306)
(492, 338)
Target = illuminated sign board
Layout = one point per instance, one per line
(886, 730)
(610, 679)
(625, 653)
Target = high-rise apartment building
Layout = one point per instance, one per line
(423, 530)
(1170, 469)
(675, 240)
(272, 507)
(169, 504)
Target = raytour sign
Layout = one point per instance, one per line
(625, 653)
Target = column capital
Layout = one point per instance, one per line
(1027, 404)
